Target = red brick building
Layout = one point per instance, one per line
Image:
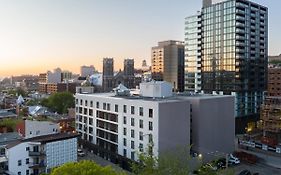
(274, 82)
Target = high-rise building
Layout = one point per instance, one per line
(192, 80)
(274, 82)
(234, 50)
(66, 75)
(167, 63)
(86, 71)
(129, 73)
(107, 74)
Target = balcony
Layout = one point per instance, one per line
(240, 18)
(241, 12)
(36, 153)
(238, 24)
(240, 38)
(3, 159)
(240, 44)
(240, 31)
(37, 165)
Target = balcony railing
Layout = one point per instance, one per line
(3, 159)
(37, 165)
(35, 153)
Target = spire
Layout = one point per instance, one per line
(207, 3)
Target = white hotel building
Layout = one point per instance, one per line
(123, 123)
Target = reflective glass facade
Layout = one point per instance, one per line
(234, 52)
(193, 53)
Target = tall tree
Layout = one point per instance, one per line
(84, 168)
(60, 102)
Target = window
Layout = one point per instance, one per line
(141, 135)
(150, 138)
(85, 111)
(81, 102)
(124, 108)
(2, 151)
(150, 126)
(97, 105)
(27, 161)
(27, 172)
(27, 149)
(133, 155)
(116, 108)
(132, 144)
(141, 147)
(104, 106)
(86, 103)
(90, 138)
(90, 112)
(91, 103)
(141, 111)
(141, 123)
(90, 130)
(19, 173)
(132, 122)
(19, 162)
(132, 133)
(90, 121)
(124, 131)
(132, 110)
(125, 142)
(124, 152)
(108, 106)
(150, 113)
(124, 120)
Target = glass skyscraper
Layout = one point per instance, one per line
(233, 51)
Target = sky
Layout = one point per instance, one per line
(40, 35)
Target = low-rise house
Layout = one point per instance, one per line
(40, 154)
(29, 128)
(5, 139)
(4, 114)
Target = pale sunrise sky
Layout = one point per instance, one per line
(39, 35)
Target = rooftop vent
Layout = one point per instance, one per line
(121, 90)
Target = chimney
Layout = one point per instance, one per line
(207, 3)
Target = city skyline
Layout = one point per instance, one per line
(40, 36)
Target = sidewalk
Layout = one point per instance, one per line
(101, 161)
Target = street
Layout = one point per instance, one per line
(257, 168)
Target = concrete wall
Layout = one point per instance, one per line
(15, 154)
(174, 126)
(38, 128)
(213, 124)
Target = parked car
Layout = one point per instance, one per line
(232, 160)
(245, 172)
(80, 153)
